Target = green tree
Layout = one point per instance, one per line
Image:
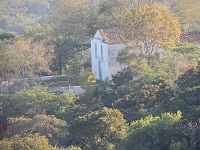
(166, 66)
(156, 132)
(28, 143)
(99, 129)
(6, 36)
(72, 148)
(71, 29)
(87, 81)
(179, 145)
(55, 130)
(36, 32)
(67, 56)
(191, 131)
(36, 101)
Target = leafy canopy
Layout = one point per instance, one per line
(100, 129)
(152, 25)
(156, 132)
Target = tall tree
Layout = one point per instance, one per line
(28, 59)
(153, 26)
(5, 67)
(71, 28)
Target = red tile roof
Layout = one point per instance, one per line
(112, 36)
(191, 37)
(118, 36)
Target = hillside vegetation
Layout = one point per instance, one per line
(152, 104)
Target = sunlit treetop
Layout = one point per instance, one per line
(154, 25)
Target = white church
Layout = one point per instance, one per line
(105, 47)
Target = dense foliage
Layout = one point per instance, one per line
(36, 101)
(157, 132)
(28, 143)
(99, 129)
(153, 104)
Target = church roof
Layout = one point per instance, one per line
(191, 37)
(112, 36)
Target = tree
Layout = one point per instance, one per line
(72, 148)
(156, 132)
(6, 36)
(36, 32)
(149, 29)
(155, 53)
(55, 130)
(72, 26)
(191, 130)
(30, 142)
(36, 101)
(28, 59)
(133, 4)
(179, 145)
(99, 129)
(165, 79)
(151, 26)
(87, 81)
(67, 56)
(6, 68)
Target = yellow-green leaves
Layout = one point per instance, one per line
(28, 59)
(152, 25)
(28, 143)
(157, 132)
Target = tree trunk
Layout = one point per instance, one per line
(60, 65)
(192, 141)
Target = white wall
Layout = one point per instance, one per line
(109, 64)
(95, 59)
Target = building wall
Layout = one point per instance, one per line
(113, 65)
(96, 59)
(107, 58)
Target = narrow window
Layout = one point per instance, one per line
(95, 50)
(102, 53)
(100, 70)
